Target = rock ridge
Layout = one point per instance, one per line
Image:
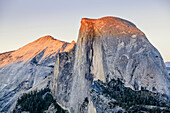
(48, 44)
(109, 26)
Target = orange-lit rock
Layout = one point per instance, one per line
(108, 26)
(48, 44)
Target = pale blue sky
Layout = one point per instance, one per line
(23, 21)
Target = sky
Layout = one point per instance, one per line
(23, 21)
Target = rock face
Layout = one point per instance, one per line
(28, 68)
(168, 66)
(107, 48)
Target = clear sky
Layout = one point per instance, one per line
(23, 21)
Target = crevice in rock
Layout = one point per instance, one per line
(134, 66)
(90, 53)
(133, 71)
(64, 46)
(116, 68)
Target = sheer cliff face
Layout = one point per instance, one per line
(28, 68)
(107, 48)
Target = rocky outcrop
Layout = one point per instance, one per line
(28, 68)
(107, 48)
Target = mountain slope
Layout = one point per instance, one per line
(46, 45)
(107, 48)
(28, 68)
